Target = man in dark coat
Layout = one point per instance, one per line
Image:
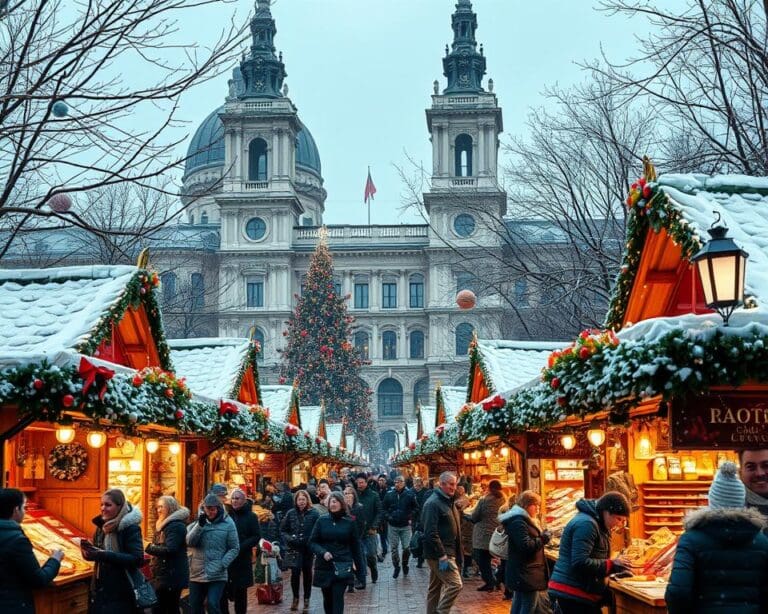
(240, 571)
(578, 582)
(21, 571)
(442, 546)
(372, 507)
(383, 487)
(526, 570)
(721, 561)
(399, 507)
(422, 494)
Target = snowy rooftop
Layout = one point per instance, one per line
(333, 430)
(278, 400)
(428, 417)
(741, 324)
(453, 399)
(43, 311)
(211, 365)
(311, 416)
(742, 203)
(411, 432)
(509, 364)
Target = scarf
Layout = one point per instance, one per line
(111, 527)
(756, 501)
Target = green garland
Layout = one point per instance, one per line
(250, 361)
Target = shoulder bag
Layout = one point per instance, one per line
(143, 593)
(499, 545)
(343, 571)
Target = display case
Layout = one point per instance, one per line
(46, 532)
(666, 502)
(126, 469)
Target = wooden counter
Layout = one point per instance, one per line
(645, 598)
(68, 595)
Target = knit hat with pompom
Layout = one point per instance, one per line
(727, 489)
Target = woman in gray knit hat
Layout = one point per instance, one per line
(721, 561)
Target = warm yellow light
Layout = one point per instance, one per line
(487, 453)
(96, 439)
(568, 441)
(65, 434)
(152, 445)
(644, 445)
(466, 455)
(596, 436)
(476, 454)
(505, 452)
(262, 456)
(174, 447)
(240, 459)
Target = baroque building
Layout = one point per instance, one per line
(254, 180)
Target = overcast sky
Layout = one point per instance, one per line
(360, 73)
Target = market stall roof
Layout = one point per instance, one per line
(105, 311)
(427, 415)
(450, 400)
(336, 433)
(665, 229)
(282, 402)
(498, 366)
(313, 420)
(219, 368)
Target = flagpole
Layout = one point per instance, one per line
(369, 200)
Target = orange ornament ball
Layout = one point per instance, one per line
(466, 299)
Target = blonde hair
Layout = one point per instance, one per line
(170, 503)
(528, 498)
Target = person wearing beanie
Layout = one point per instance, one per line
(721, 560)
(579, 580)
(213, 546)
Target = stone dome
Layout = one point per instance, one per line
(206, 149)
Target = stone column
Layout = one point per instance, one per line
(447, 170)
(273, 169)
(480, 164)
(374, 291)
(402, 290)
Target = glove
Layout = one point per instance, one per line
(546, 537)
(444, 565)
(294, 542)
(617, 566)
(202, 519)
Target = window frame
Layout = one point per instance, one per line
(358, 304)
(410, 344)
(388, 345)
(416, 282)
(256, 280)
(388, 294)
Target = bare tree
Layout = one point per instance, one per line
(703, 70)
(74, 77)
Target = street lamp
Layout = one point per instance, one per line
(721, 265)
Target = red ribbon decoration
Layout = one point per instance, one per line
(90, 373)
(227, 407)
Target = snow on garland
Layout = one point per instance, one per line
(67, 461)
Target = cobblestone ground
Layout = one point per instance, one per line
(400, 596)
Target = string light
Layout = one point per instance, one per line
(152, 445)
(65, 434)
(174, 447)
(596, 435)
(568, 440)
(96, 439)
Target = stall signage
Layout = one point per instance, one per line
(272, 463)
(720, 421)
(438, 468)
(547, 445)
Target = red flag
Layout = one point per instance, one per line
(370, 189)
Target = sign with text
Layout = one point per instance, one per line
(729, 422)
(547, 445)
(438, 468)
(272, 463)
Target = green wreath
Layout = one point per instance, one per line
(68, 461)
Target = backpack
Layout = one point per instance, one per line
(498, 546)
(416, 545)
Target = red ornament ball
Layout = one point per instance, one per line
(584, 353)
(466, 299)
(60, 203)
(38, 384)
(179, 414)
(647, 192)
(169, 392)
(67, 400)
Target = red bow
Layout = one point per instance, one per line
(90, 373)
(496, 402)
(227, 407)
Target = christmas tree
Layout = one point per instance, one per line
(319, 356)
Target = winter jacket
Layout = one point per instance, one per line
(484, 517)
(112, 591)
(583, 562)
(357, 514)
(721, 564)
(21, 571)
(442, 528)
(297, 528)
(399, 507)
(212, 548)
(240, 571)
(371, 503)
(421, 497)
(169, 564)
(337, 535)
(526, 569)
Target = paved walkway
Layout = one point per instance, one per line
(401, 596)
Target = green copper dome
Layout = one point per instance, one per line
(206, 149)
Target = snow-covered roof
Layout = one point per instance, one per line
(44, 311)
(742, 203)
(278, 399)
(212, 366)
(333, 431)
(453, 399)
(411, 432)
(428, 417)
(508, 364)
(311, 416)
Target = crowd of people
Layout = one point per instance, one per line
(334, 532)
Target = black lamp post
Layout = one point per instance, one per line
(721, 265)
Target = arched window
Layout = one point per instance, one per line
(198, 291)
(388, 441)
(463, 338)
(256, 334)
(421, 392)
(204, 217)
(168, 281)
(257, 160)
(389, 345)
(463, 154)
(416, 349)
(390, 394)
(362, 344)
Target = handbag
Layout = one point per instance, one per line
(292, 558)
(416, 545)
(269, 594)
(343, 571)
(143, 593)
(499, 545)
